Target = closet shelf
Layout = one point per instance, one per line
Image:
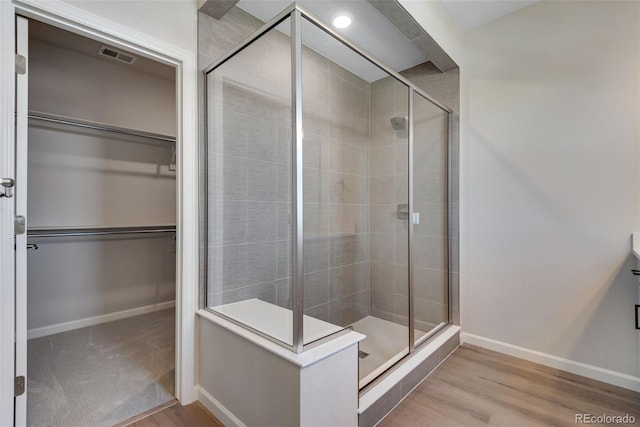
(98, 231)
(52, 118)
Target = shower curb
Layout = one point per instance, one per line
(387, 402)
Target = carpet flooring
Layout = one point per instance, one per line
(101, 375)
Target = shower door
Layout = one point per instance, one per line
(430, 261)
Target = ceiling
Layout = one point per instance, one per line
(470, 14)
(373, 32)
(76, 43)
(370, 30)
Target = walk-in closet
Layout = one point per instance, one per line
(101, 231)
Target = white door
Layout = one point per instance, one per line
(20, 197)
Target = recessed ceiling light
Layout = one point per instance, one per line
(342, 20)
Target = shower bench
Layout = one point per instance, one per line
(247, 379)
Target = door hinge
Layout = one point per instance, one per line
(19, 225)
(21, 64)
(18, 386)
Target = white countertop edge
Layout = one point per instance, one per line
(371, 396)
(635, 245)
(304, 359)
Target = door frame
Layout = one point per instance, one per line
(71, 18)
(7, 212)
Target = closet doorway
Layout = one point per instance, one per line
(100, 162)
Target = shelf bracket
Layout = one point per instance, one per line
(172, 162)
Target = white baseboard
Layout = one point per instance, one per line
(605, 375)
(223, 415)
(96, 320)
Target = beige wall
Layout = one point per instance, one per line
(550, 181)
(90, 178)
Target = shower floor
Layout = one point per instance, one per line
(386, 343)
(101, 375)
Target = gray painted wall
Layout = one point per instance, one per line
(89, 178)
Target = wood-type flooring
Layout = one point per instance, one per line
(475, 387)
(479, 387)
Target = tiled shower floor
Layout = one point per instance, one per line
(386, 343)
(101, 375)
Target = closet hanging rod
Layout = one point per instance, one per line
(98, 231)
(98, 126)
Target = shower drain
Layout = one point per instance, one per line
(362, 354)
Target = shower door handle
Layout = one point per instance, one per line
(403, 213)
(8, 184)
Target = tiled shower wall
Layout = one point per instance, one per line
(250, 170)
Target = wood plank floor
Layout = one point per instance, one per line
(175, 415)
(473, 387)
(478, 387)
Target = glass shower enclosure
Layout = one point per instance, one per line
(327, 195)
